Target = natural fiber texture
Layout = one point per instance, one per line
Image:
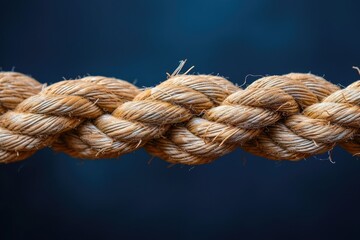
(187, 119)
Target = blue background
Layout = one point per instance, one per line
(240, 196)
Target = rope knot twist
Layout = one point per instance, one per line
(187, 119)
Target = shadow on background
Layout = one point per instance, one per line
(240, 196)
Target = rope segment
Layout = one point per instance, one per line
(187, 119)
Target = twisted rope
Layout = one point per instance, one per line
(187, 119)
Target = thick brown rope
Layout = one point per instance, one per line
(187, 119)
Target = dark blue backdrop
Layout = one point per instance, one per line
(240, 196)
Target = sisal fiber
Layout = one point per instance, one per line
(187, 119)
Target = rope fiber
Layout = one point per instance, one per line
(187, 119)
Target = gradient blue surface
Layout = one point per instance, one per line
(240, 196)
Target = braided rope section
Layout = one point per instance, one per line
(187, 119)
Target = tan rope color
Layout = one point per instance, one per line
(187, 119)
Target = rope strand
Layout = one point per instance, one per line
(187, 119)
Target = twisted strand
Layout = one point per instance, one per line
(187, 119)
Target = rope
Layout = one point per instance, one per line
(187, 119)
